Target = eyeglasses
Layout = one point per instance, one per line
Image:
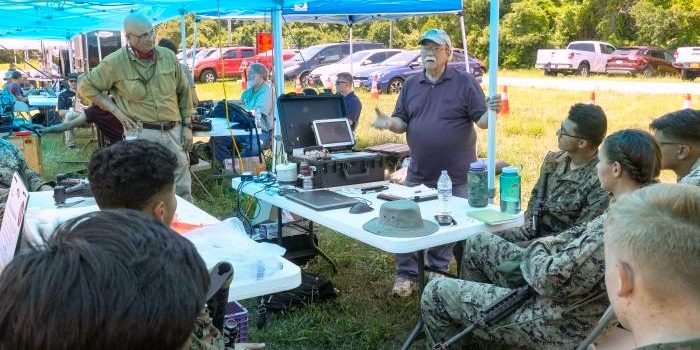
(143, 36)
(562, 132)
(338, 82)
(433, 49)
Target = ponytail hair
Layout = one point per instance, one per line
(637, 152)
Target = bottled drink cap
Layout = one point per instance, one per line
(510, 170)
(477, 166)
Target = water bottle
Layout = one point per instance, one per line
(444, 189)
(477, 182)
(510, 190)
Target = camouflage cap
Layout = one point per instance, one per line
(437, 36)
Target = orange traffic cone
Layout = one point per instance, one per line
(374, 92)
(686, 102)
(505, 107)
(297, 86)
(244, 79)
(592, 100)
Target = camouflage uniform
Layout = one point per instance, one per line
(11, 161)
(572, 197)
(205, 336)
(693, 177)
(692, 344)
(563, 270)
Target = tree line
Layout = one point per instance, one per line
(525, 27)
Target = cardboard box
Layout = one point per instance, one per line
(31, 150)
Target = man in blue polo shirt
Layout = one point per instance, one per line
(437, 110)
(353, 106)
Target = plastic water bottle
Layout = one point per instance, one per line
(444, 189)
(477, 183)
(510, 190)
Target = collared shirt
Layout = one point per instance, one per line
(12, 161)
(571, 197)
(353, 108)
(693, 177)
(440, 118)
(145, 90)
(262, 100)
(692, 344)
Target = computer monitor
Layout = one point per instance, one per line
(333, 133)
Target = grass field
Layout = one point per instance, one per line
(365, 316)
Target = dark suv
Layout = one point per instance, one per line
(645, 60)
(320, 55)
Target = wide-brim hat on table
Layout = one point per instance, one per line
(401, 219)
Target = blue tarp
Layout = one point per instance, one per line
(63, 19)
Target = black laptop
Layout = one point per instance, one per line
(322, 199)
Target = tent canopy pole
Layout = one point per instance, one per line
(493, 71)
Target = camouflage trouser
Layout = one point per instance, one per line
(450, 305)
(483, 253)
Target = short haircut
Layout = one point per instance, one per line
(168, 44)
(129, 174)
(591, 122)
(259, 69)
(16, 75)
(115, 279)
(345, 76)
(683, 125)
(658, 227)
(637, 152)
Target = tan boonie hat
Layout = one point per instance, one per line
(401, 219)
(437, 36)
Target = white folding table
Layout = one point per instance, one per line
(289, 277)
(342, 221)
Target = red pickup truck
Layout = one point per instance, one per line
(210, 69)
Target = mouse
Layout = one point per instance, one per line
(360, 208)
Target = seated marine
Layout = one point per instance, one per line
(564, 271)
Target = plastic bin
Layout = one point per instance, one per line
(235, 312)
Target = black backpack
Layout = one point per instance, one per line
(236, 114)
(313, 289)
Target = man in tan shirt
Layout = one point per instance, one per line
(149, 93)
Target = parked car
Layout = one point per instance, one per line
(266, 58)
(392, 73)
(645, 60)
(210, 69)
(687, 59)
(580, 57)
(357, 60)
(202, 53)
(320, 55)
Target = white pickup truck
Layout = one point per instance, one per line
(580, 57)
(687, 59)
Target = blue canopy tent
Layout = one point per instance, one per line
(351, 12)
(62, 20)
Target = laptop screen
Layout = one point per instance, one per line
(333, 133)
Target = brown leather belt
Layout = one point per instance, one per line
(163, 126)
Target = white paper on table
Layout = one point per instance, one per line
(410, 192)
(12, 220)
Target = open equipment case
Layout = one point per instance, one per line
(297, 114)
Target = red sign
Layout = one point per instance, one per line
(264, 42)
